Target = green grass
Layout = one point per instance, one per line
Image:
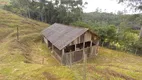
(23, 60)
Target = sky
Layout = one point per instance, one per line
(105, 6)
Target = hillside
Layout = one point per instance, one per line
(23, 60)
(103, 19)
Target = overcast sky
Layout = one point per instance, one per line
(105, 5)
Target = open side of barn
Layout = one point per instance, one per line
(67, 48)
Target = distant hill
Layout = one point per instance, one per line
(102, 19)
(23, 60)
(109, 18)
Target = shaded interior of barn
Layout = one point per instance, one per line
(74, 50)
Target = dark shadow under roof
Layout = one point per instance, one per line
(61, 35)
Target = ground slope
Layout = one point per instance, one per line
(23, 60)
(30, 59)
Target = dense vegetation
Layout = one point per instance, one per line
(135, 4)
(23, 60)
(117, 31)
(61, 11)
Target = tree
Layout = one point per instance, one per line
(137, 4)
(42, 8)
(20, 7)
(138, 46)
(51, 11)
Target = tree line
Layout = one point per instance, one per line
(50, 11)
(117, 31)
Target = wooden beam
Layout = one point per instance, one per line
(91, 48)
(84, 66)
(83, 48)
(71, 59)
(67, 59)
(52, 48)
(75, 47)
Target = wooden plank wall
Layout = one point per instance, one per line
(83, 38)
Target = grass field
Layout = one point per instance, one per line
(23, 60)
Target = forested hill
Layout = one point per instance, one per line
(117, 31)
(102, 19)
(29, 58)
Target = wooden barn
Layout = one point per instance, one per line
(68, 43)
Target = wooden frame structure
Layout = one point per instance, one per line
(69, 51)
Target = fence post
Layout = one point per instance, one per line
(17, 33)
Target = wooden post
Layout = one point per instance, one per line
(17, 33)
(83, 49)
(91, 47)
(71, 59)
(75, 47)
(84, 66)
(97, 48)
(67, 59)
(63, 52)
(52, 49)
(84, 61)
